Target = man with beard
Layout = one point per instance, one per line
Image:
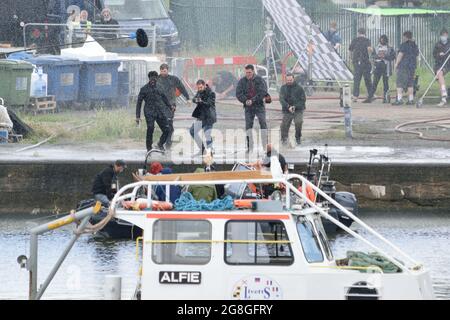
(169, 85)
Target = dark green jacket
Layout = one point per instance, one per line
(293, 96)
(168, 86)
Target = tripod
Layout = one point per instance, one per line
(269, 50)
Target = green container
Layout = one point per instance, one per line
(15, 81)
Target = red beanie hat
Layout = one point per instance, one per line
(156, 168)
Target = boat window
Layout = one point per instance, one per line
(323, 238)
(178, 249)
(257, 243)
(309, 240)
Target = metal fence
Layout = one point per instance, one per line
(425, 28)
(227, 25)
(238, 26)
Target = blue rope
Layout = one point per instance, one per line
(187, 203)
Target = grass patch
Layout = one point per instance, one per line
(105, 126)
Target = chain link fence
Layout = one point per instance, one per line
(425, 28)
(225, 26)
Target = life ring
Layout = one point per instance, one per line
(141, 205)
(309, 193)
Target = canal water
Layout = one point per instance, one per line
(425, 236)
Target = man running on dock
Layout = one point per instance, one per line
(157, 109)
(170, 85)
(251, 92)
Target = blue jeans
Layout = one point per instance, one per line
(195, 134)
(103, 199)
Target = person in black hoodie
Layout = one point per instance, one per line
(106, 182)
(205, 113)
(157, 108)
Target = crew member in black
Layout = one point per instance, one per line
(441, 53)
(157, 108)
(360, 50)
(106, 183)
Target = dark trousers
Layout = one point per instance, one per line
(169, 138)
(163, 124)
(297, 117)
(250, 114)
(362, 71)
(381, 72)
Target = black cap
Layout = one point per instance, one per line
(121, 163)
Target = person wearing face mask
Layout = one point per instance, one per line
(383, 56)
(442, 66)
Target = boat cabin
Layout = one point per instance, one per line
(277, 249)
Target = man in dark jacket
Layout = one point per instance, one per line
(157, 108)
(441, 53)
(293, 103)
(406, 66)
(360, 50)
(251, 91)
(205, 113)
(170, 85)
(106, 183)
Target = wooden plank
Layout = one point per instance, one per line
(212, 176)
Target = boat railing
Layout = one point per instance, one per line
(406, 266)
(305, 182)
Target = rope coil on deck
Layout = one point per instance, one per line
(187, 203)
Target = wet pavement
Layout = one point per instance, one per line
(300, 155)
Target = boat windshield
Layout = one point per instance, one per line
(323, 238)
(136, 9)
(309, 240)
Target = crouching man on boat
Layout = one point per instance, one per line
(205, 115)
(106, 183)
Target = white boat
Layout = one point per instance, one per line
(277, 250)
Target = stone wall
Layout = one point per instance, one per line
(47, 188)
